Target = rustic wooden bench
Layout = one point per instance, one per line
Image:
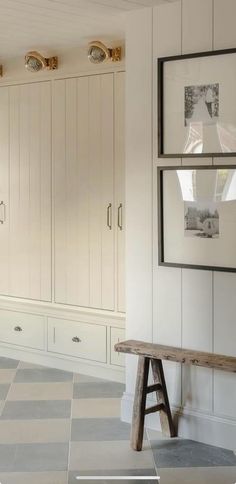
(154, 354)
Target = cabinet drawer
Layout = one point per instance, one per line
(77, 339)
(117, 335)
(22, 329)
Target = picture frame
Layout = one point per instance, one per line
(197, 105)
(197, 217)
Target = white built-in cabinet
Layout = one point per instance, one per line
(25, 191)
(62, 221)
(88, 148)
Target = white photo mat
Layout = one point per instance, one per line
(199, 105)
(198, 213)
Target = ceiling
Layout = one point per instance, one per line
(61, 24)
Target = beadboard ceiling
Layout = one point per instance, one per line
(51, 25)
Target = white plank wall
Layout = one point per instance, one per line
(167, 327)
(191, 308)
(83, 167)
(26, 174)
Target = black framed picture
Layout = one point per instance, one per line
(197, 217)
(197, 105)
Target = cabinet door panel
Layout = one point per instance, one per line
(83, 164)
(26, 157)
(4, 182)
(120, 185)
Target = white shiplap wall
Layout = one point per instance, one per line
(191, 308)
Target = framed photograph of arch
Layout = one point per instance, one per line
(197, 217)
(197, 105)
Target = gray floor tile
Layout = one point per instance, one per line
(113, 472)
(59, 477)
(7, 363)
(4, 388)
(99, 429)
(198, 475)
(34, 457)
(187, 453)
(7, 457)
(103, 389)
(36, 409)
(33, 375)
(41, 457)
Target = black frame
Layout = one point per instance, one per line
(160, 108)
(161, 254)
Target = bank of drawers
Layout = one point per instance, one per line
(88, 341)
(70, 338)
(23, 329)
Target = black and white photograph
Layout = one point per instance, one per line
(201, 104)
(201, 219)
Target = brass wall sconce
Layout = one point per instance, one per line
(35, 62)
(98, 53)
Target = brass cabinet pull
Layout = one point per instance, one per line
(76, 339)
(18, 328)
(109, 220)
(120, 221)
(3, 218)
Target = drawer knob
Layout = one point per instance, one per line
(18, 328)
(75, 339)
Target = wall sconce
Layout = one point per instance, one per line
(35, 62)
(98, 53)
(1, 73)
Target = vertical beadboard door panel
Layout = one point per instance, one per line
(4, 190)
(83, 140)
(120, 186)
(83, 174)
(60, 195)
(75, 185)
(107, 190)
(30, 191)
(95, 197)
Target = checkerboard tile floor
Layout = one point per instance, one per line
(56, 425)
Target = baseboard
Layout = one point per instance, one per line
(201, 427)
(61, 362)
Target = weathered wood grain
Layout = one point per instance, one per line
(139, 404)
(180, 355)
(167, 425)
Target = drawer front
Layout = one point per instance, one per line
(117, 335)
(77, 339)
(22, 329)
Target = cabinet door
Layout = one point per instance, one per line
(120, 186)
(4, 190)
(30, 191)
(83, 166)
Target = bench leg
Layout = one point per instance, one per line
(167, 424)
(139, 403)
